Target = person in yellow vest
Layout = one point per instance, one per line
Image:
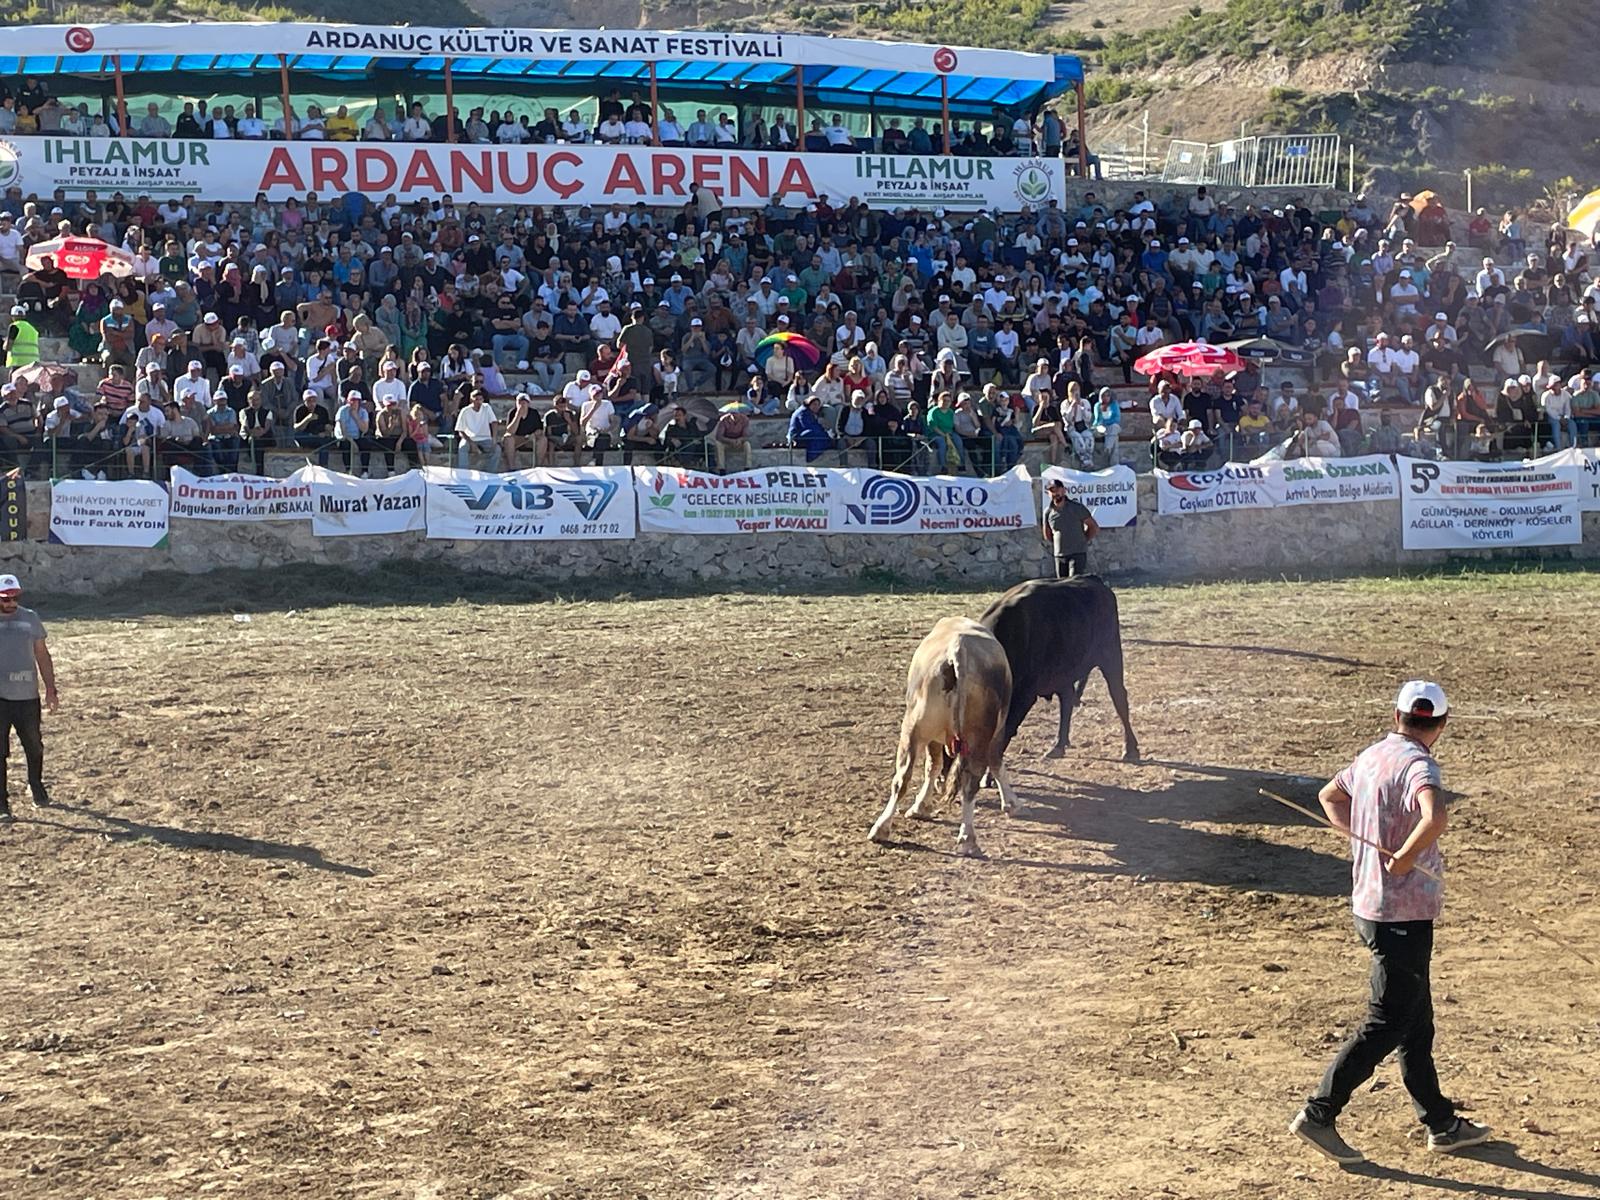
(22, 339)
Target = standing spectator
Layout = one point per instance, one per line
(24, 662)
(1069, 527)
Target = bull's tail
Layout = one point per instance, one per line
(950, 675)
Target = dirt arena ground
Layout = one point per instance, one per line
(574, 899)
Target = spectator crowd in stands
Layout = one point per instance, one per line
(362, 327)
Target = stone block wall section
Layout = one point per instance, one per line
(1310, 540)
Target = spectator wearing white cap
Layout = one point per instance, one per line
(1391, 799)
(24, 663)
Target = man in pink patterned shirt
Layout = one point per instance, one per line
(1391, 796)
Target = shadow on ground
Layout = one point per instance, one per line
(120, 829)
(1499, 1154)
(1153, 833)
(1275, 651)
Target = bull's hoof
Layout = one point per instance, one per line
(1058, 750)
(1131, 754)
(879, 832)
(919, 814)
(968, 848)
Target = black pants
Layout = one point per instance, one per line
(1069, 566)
(23, 716)
(1399, 1017)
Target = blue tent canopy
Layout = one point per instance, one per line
(767, 83)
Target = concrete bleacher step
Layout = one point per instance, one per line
(283, 462)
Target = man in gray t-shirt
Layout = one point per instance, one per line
(24, 660)
(1069, 527)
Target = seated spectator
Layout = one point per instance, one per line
(1314, 439)
(1166, 445)
(477, 434)
(807, 432)
(1195, 447)
(524, 430)
(310, 426)
(1107, 418)
(730, 436)
(599, 420)
(392, 433)
(683, 442)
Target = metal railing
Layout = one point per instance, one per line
(1308, 160)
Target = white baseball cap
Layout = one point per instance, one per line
(1417, 698)
(9, 585)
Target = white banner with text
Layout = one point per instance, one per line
(598, 175)
(1486, 506)
(344, 506)
(126, 513)
(1112, 495)
(772, 500)
(1275, 483)
(574, 504)
(1587, 461)
(325, 39)
(240, 497)
(881, 502)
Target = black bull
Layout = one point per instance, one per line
(1055, 632)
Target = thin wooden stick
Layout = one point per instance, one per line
(1526, 922)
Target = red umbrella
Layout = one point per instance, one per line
(82, 258)
(47, 377)
(1188, 358)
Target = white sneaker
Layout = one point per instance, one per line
(88, 474)
(366, 474)
(101, 476)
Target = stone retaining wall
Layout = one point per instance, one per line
(1309, 540)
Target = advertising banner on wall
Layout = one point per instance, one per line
(773, 500)
(1587, 461)
(1333, 480)
(344, 506)
(574, 504)
(131, 513)
(13, 508)
(1486, 506)
(880, 502)
(240, 497)
(1231, 487)
(1276, 483)
(598, 175)
(1111, 495)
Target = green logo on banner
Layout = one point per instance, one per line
(10, 165)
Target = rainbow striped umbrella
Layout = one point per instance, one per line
(801, 348)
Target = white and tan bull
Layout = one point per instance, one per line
(957, 694)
